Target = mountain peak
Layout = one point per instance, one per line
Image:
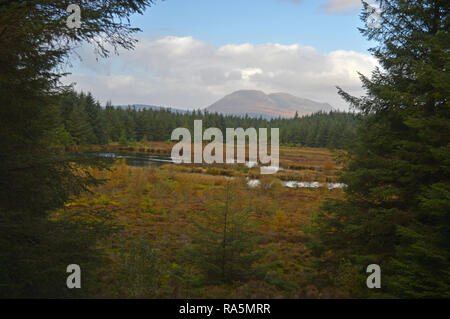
(256, 103)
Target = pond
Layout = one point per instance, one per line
(137, 159)
(154, 161)
(295, 184)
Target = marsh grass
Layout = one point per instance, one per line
(159, 205)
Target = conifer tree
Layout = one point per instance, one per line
(35, 177)
(123, 138)
(224, 246)
(79, 127)
(396, 209)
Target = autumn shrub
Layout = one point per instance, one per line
(119, 173)
(137, 180)
(328, 168)
(141, 273)
(280, 221)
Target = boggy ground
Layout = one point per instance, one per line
(158, 208)
(297, 163)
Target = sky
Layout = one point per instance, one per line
(193, 52)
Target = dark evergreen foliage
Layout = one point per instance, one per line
(224, 247)
(117, 124)
(396, 210)
(37, 176)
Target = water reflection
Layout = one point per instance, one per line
(252, 183)
(154, 161)
(138, 159)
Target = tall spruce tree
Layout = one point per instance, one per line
(224, 247)
(79, 127)
(396, 211)
(35, 177)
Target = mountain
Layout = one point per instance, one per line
(257, 103)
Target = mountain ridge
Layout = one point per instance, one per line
(256, 103)
(253, 103)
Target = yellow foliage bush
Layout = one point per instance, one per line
(280, 221)
(119, 173)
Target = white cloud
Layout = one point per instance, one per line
(188, 73)
(246, 74)
(337, 6)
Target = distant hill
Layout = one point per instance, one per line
(257, 103)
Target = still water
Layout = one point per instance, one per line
(137, 159)
(154, 161)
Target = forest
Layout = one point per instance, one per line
(198, 231)
(84, 121)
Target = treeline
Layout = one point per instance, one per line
(86, 122)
